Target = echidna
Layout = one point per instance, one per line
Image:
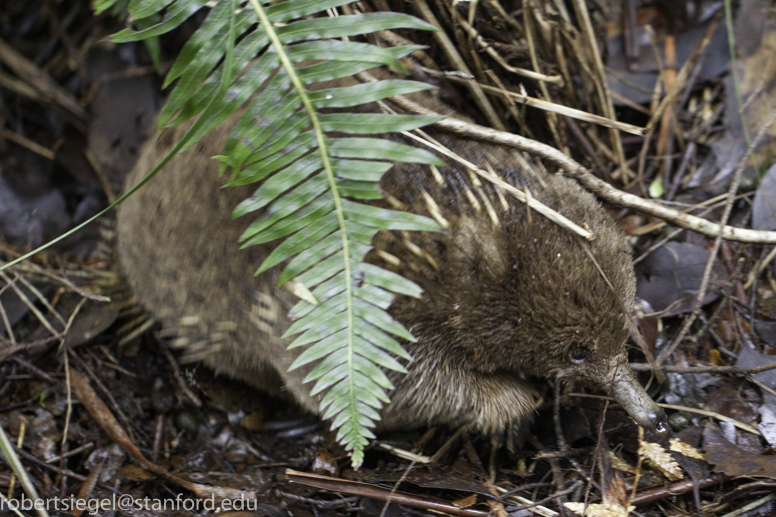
(509, 297)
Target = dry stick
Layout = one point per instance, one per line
(677, 488)
(508, 19)
(761, 385)
(691, 146)
(395, 488)
(708, 205)
(753, 293)
(562, 61)
(653, 106)
(102, 415)
(16, 466)
(672, 92)
(457, 61)
(88, 486)
(102, 178)
(69, 473)
(6, 321)
(637, 476)
(473, 33)
(336, 503)
(26, 301)
(718, 340)
(552, 120)
(509, 102)
(718, 241)
(466, 45)
(496, 507)
(42, 299)
(182, 384)
(379, 493)
(556, 495)
(10, 350)
(30, 268)
(557, 472)
(756, 484)
(760, 267)
(681, 77)
(603, 91)
(395, 40)
(69, 411)
(587, 145)
(600, 437)
(688, 153)
(562, 444)
(71, 453)
(541, 104)
(571, 42)
(527, 486)
(37, 371)
(523, 196)
(28, 144)
(19, 444)
(21, 88)
(41, 81)
(660, 243)
(102, 387)
(712, 414)
(727, 289)
(587, 180)
(751, 506)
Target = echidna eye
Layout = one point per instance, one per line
(577, 356)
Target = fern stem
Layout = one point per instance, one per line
(300, 88)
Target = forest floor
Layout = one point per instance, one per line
(98, 407)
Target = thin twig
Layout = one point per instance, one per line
(712, 414)
(587, 180)
(698, 303)
(457, 61)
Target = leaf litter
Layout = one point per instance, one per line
(141, 405)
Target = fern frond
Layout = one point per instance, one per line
(313, 185)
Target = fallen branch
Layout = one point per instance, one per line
(103, 416)
(381, 494)
(590, 182)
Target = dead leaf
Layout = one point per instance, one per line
(688, 450)
(134, 473)
(764, 208)
(670, 277)
(731, 460)
(465, 502)
(749, 358)
(767, 331)
(91, 321)
(599, 510)
(612, 483)
(621, 464)
(254, 421)
(325, 463)
(636, 80)
(656, 455)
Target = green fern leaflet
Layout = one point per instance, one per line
(314, 187)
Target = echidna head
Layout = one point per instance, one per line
(524, 298)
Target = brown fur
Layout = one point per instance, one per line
(504, 302)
